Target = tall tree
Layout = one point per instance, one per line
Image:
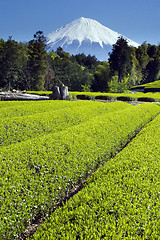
(70, 73)
(3, 80)
(9, 63)
(101, 77)
(152, 51)
(89, 61)
(143, 58)
(153, 69)
(120, 59)
(135, 74)
(37, 61)
(49, 76)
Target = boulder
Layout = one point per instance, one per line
(64, 92)
(56, 93)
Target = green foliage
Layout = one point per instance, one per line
(85, 88)
(146, 99)
(89, 62)
(41, 93)
(135, 73)
(118, 87)
(126, 99)
(72, 97)
(53, 55)
(142, 55)
(113, 84)
(13, 64)
(70, 74)
(149, 87)
(36, 173)
(113, 96)
(104, 97)
(153, 69)
(27, 66)
(101, 77)
(120, 200)
(21, 128)
(85, 97)
(120, 59)
(15, 109)
(37, 61)
(141, 65)
(43, 169)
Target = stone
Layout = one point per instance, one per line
(64, 92)
(56, 93)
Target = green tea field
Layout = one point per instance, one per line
(84, 169)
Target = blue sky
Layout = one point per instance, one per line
(138, 20)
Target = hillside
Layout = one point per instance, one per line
(148, 87)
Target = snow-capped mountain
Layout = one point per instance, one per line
(87, 36)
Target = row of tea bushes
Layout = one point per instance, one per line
(37, 173)
(149, 87)
(120, 201)
(25, 108)
(131, 96)
(139, 96)
(18, 129)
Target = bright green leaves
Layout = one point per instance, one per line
(119, 201)
(47, 118)
(36, 173)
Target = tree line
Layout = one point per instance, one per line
(28, 66)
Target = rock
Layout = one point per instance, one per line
(60, 93)
(64, 92)
(56, 93)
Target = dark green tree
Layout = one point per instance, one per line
(152, 51)
(143, 58)
(3, 80)
(101, 77)
(89, 61)
(153, 70)
(120, 59)
(22, 81)
(70, 73)
(9, 66)
(135, 74)
(37, 61)
(49, 76)
(153, 66)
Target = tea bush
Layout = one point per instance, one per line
(120, 201)
(17, 129)
(37, 173)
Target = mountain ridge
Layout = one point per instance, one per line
(85, 35)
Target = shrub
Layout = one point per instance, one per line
(72, 97)
(120, 200)
(103, 97)
(146, 99)
(126, 98)
(151, 90)
(85, 97)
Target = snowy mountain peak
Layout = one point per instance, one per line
(84, 35)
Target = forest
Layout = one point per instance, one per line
(28, 66)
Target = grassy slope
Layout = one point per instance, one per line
(149, 86)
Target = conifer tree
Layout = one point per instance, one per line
(37, 61)
(120, 59)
